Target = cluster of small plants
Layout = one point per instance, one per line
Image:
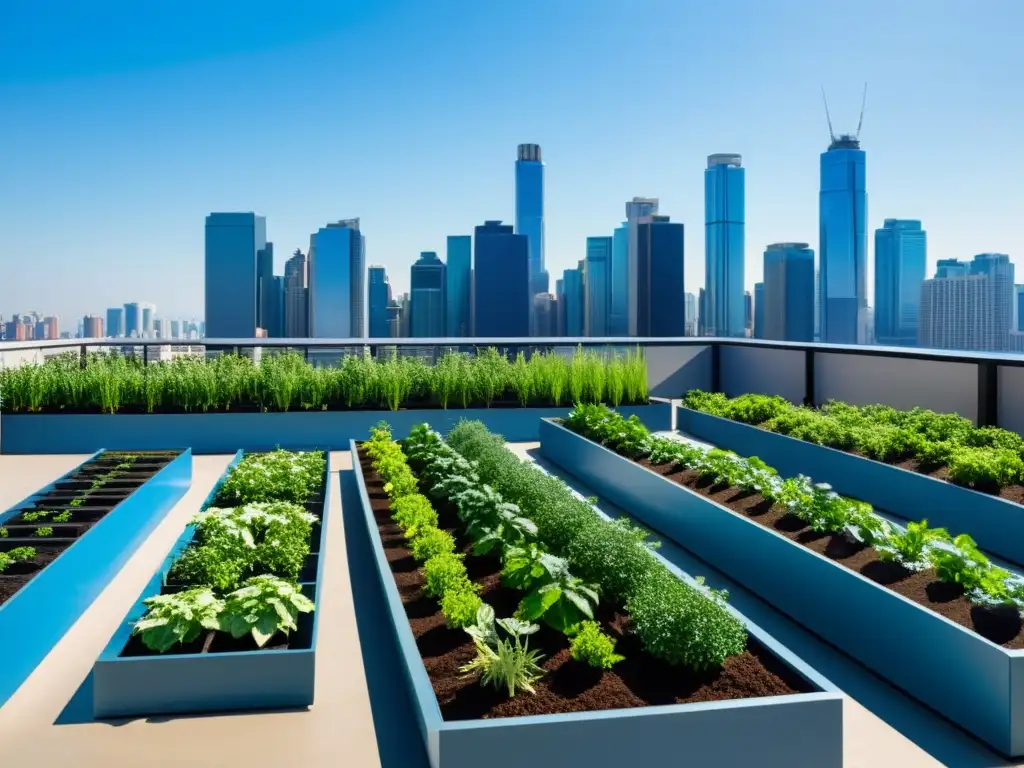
(675, 621)
(955, 560)
(241, 569)
(976, 457)
(111, 383)
(16, 555)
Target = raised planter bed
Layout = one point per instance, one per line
(41, 598)
(803, 727)
(970, 679)
(217, 673)
(295, 431)
(996, 524)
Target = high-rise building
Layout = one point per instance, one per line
(660, 287)
(394, 317)
(951, 268)
(748, 312)
(428, 284)
(458, 313)
(598, 293)
(115, 322)
(530, 212)
(162, 328)
(296, 296)
(636, 209)
(724, 183)
(575, 303)
(133, 327)
(404, 315)
(968, 306)
(759, 311)
(148, 320)
(265, 299)
(900, 256)
(1019, 306)
(378, 298)
(501, 281)
(545, 308)
(788, 292)
(92, 327)
(690, 315)
(700, 312)
(176, 329)
(618, 283)
(336, 304)
(999, 269)
(51, 328)
(843, 248)
(232, 242)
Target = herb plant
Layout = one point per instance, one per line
(16, 555)
(503, 660)
(262, 607)
(178, 618)
(594, 647)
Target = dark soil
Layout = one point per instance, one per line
(998, 625)
(567, 686)
(20, 574)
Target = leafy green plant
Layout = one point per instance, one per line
(262, 607)
(32, 517)
(557, 597)
(4, 533)
(16, 555)
(594, 647)
(43, 531)
(460, 607)
(178, 618)
(503, 661)
(910, 547)
(63, 517)
(443, 573)
(430, 542)
(413, 513)
(275, 476)
(984, 467)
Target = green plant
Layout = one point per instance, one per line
(594, 647)
(503, 662)
(443, 573)
(178, 618)
(557, 597)
(910, 547)
(984, 467)
(16, 555)
(262, 607)
(76, 502)
(31, 517)
(429, 542)
(274, 476)
(63, 517)
(413, 513)
(460, 607)
(43, 530)
(4, 533)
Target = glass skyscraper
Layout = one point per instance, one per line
(296, 296)
(115, 322)
(843, 245)
(636, 209)
(428, 284)
(232, 242)
(530, 212)
(618, 279)
(1018, 306)
(900, 270)
(458, 320)
(501, 281)
(598, 286)
(575, 303)
(335, 293)
(661, 296)
(379, 297)
(148, 321)
(265, 299)
(758, 310)
(788, 293)
(724, 217)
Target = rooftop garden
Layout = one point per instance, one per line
(111, 383)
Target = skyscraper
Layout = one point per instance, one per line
(660, 289)
(296, 296)
(133, 327)
(92, 327)
(998, 268)
(277, 310)
(335, 281)
(748, 311)
(788, 292)
(968, 306)
(900, 256)
(232, 242)
(598, 286)
(458, 299)
(1018, 306)
(690, 314)
(700, 312)
(379, 297)
(530, 212)
(501, 281)
(724, 217)
(618, 282)
(636, 209)
(843, 231)
(427, 293)
(394, 313)
(951, 268)
(148, 321)
(265, 288)
(759, 310)
(115, 322)
(575, 303)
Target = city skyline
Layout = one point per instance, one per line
(144, 161)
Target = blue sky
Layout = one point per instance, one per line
(123, 123)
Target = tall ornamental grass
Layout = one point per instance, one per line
(286, 382)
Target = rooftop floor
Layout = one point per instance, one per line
(361, 717)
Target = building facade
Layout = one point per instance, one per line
(335, 260)
(530, 212)
(458, 314)
(618, 283)
(296, 296)
(133, 328)
(724, 216)
(690, 315)
(759, 309)
(660, 287)
(901, 249)
(501, 281)
(968, 306)
(115, 322)
(636, 209)
(428, 284)
(92, 327)
(378, 298)
(788, 292)
(233, 241)
(598, 286)
(574, 303)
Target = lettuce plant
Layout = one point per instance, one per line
(443, 573)
(911, 547)
(429, 542)
(460, 607)
(178, 618)
(594, 647)
(16, 555)
(262, 607)
(413, 513)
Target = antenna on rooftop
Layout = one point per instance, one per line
(828, 117)
(863, 102)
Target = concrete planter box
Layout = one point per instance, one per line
(972, 681)
(209, 682)
(777, 732)
(208, 433)
(996, 524)
(37, 617)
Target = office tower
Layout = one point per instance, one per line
(618, 282)
(51, 328)
(232, 242)
(92, 327)
(265, 288)
(575, 303)
(162, 328)
(1018, 306)
(951, 268)
(133, 320)
(843, 247)
(636, 209)
(690, 315)
(501, 282)
(544, 312)
(788, 292)
(759, 310)
(458, 312)
(176, 329)
(335, 282)
(530, 212)
(900, 255)
(296, 296)
(968, 306)
(598, 291)
(724, 183)
(700, 312)
(378, 291)
(148, 321)
(817, 305)
(115, 322)
(558, 322)
(660, 289)
(427, 283)
(405, 315)
(393, 314)
(748, 312)
(277, 329)
(998, 268)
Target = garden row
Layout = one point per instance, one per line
(512, 597)
(111, 383)
(228, 621)
(62, 545)
(925, 609)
